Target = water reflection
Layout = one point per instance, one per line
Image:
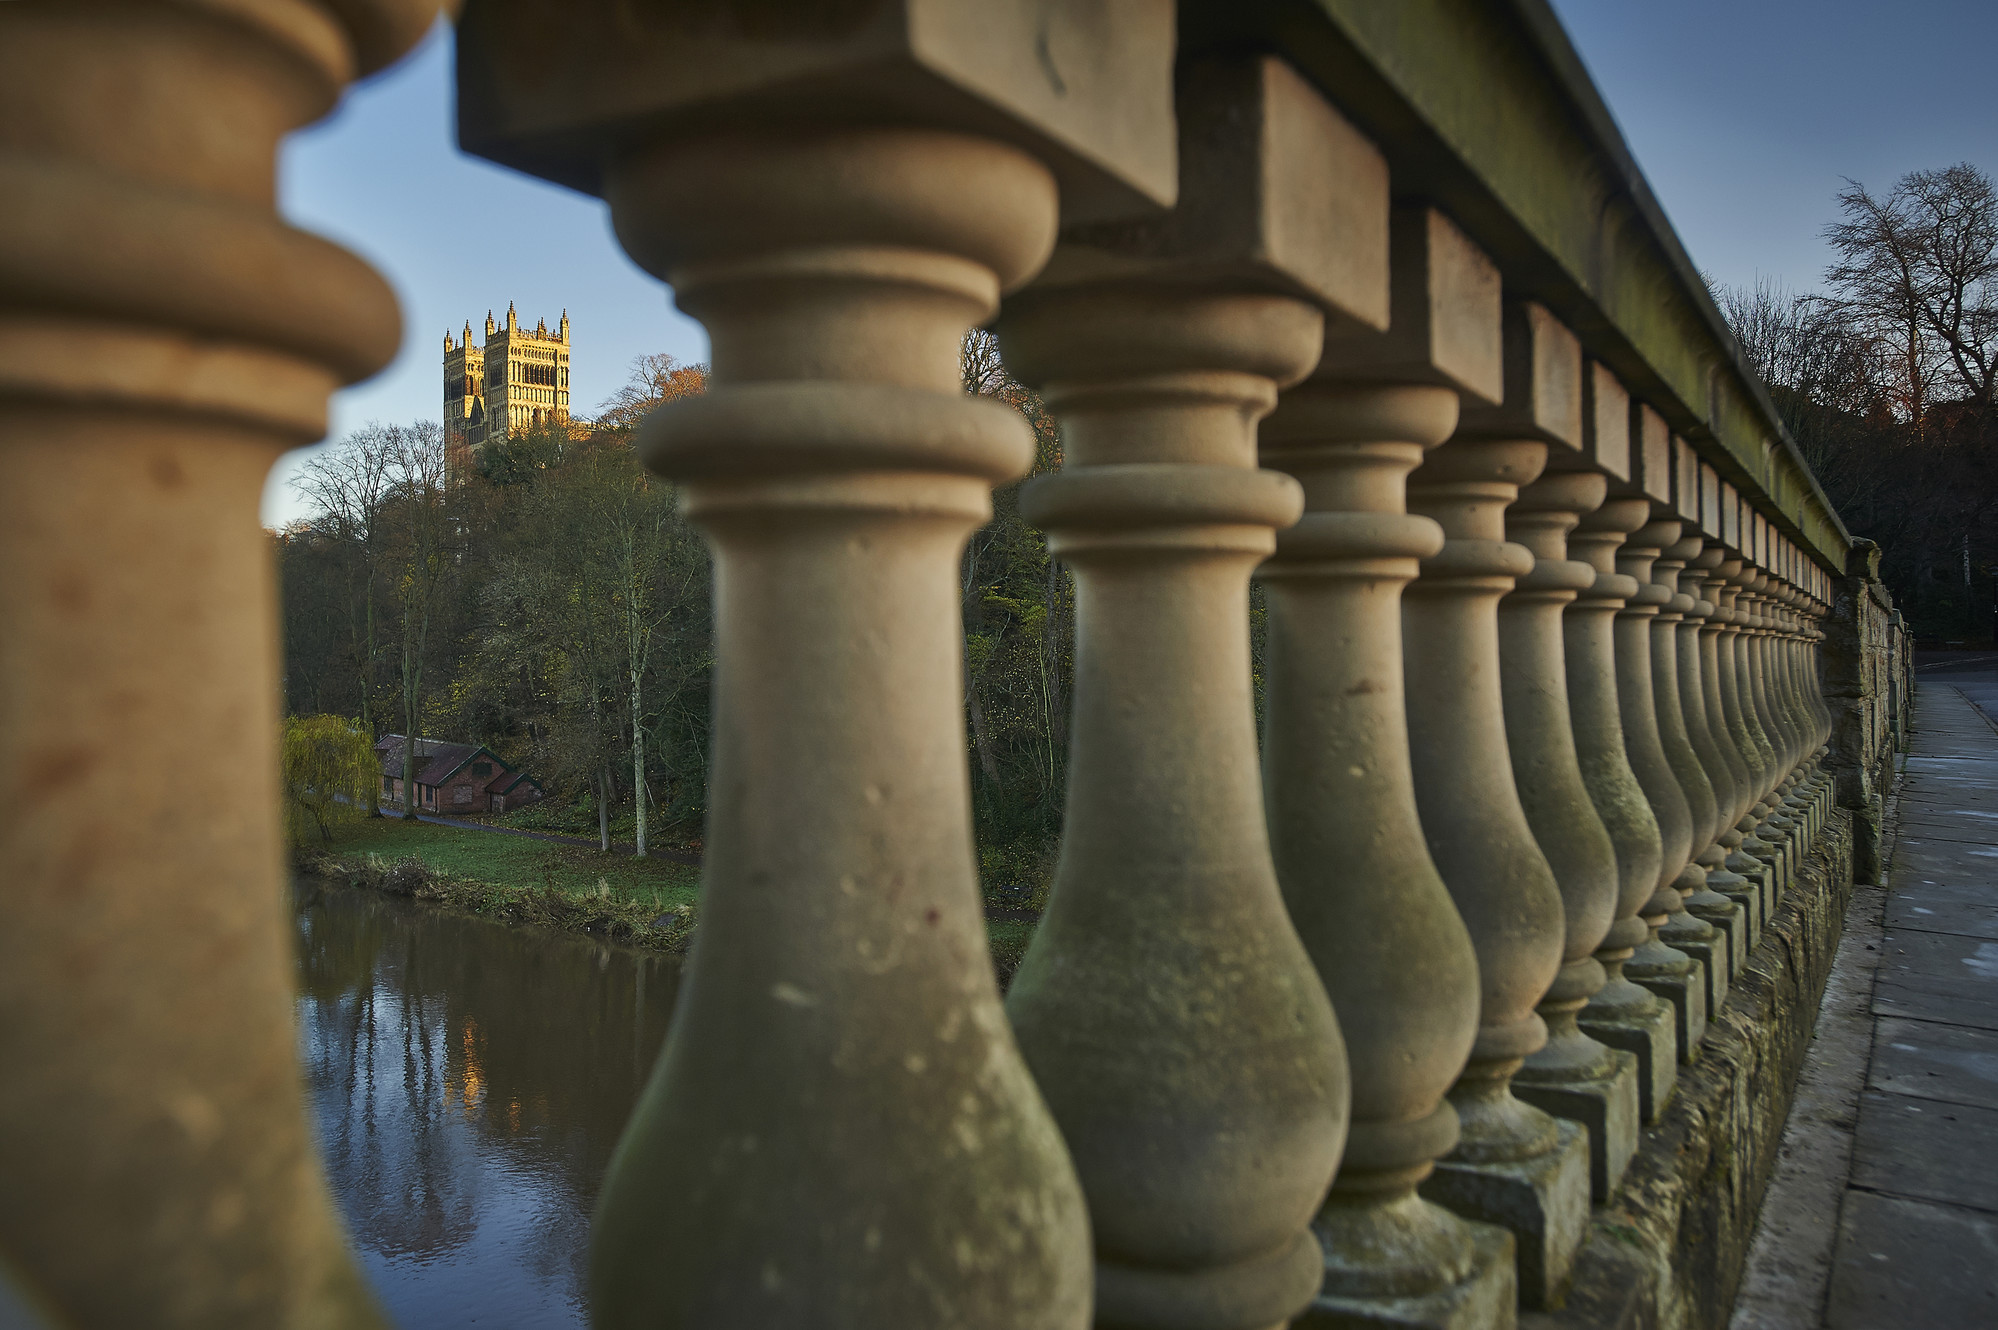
(469, 1081)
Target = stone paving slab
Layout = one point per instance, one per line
(1942, 799)
(1944, 776)
(1940, 775)
(1936, 829)
(1967, 909)
(1929, 847)
(1951, 1064)
(1959, 813)
(1938, 977)
(1926, 1150)
(1913, 1265)
(1936, 798)
(1951, 754)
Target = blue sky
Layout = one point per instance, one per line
(1744, 114)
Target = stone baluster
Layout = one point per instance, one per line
(166, 337)
(1800, 666)
(1733, 734)
(1657, 966)
(1699, 683)
(1514, 1165)
(1166, 1006)
(1777, 697)
(1782, 651)
(1768, 840)
(839, 1129)
(1622, 1013)
(1685, 930)
(1791, 654)
(1804, 657)
(1793, 650)
(1362, 890)
(1715, 902)
(1815, 675)
(1574, 1076)
(1811, 672)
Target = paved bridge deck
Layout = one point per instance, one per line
(1884, 1210)
(1918, 1230)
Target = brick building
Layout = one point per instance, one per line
(455, 778)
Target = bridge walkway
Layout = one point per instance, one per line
(1917, 1238)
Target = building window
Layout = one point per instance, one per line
(482, 768)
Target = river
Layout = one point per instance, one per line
(469, 1081)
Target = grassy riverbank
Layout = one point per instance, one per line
(514, 879)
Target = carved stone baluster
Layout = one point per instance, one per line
(1779, 647)
(1821, 702)
(1810, 676)
(1685, 930)
(165, 338)
(1366, 899)
(1515, 1164)
(1166, 1006)
(1622, 1014)
(1732, 733)
(1779, 714)
(1800, 665)
(1574, 1076)
(1800, 669)
(1715, 901)
(839, 1130)
(1656, 965)
(1767, 839)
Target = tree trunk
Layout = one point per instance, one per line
(603, 809)
(988, 761)
(367, 688)
(637, 729)
(408, 736)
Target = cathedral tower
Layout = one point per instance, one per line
(518, 379)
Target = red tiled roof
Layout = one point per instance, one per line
(437, 759)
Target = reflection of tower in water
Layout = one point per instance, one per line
(470, 1081)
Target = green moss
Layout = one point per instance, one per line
(1625, 1234)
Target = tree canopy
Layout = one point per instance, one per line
(1885, 380)
(328, 770)
(570, 624)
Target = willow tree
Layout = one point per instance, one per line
(329, 770)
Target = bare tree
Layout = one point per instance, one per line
(1918, 272)
(1822, 373)
(350, 483)
(652, 380)
(419, 536)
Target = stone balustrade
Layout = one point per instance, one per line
(1576, 684)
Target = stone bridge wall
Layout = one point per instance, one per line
(1496, 946)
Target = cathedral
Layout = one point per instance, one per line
(517, 380)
